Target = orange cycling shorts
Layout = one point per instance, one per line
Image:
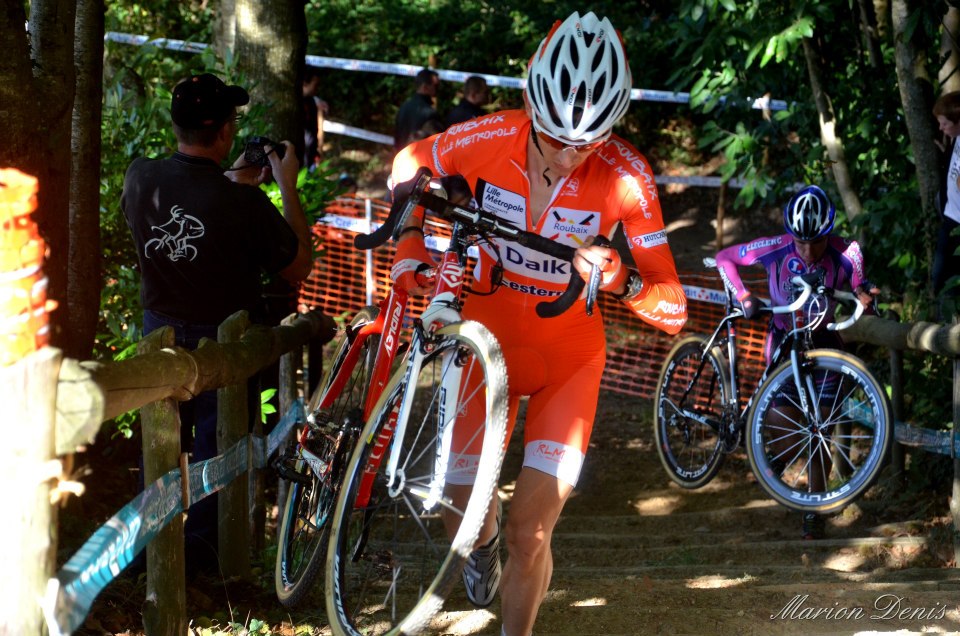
(557, 362)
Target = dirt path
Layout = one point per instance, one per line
(636, 555)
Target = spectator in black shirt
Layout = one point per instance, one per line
(417, 117)
(476, 95)
(203, 239)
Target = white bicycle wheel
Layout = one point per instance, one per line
(821, 459)
(391, 560)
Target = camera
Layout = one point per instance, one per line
(255, 154)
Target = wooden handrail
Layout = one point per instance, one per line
(88, 393)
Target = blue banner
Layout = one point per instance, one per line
(117, 542)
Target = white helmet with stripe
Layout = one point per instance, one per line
(579, 80)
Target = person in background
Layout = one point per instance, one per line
(204, 237)
(476, 95)
(314, 112)
(807, 246)
(417, 117)
(946, 262)
(555, 168)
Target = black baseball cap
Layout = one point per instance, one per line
(204, 101)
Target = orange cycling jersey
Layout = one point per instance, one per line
(556, 361)
(613, 185)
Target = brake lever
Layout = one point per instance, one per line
(596, 276)
(593, 288)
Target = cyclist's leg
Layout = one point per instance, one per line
(556, 436)
(466, 449)
(809, 443)
(538, 500)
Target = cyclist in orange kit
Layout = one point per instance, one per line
(557, 169)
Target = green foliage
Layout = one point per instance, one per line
(174, 19)
(896, 247)
(317, 189)
(266, 406)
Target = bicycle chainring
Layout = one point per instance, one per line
(731, 432)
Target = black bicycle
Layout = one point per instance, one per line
(817, 428)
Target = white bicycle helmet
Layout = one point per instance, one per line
(579, 80)
(809, 214)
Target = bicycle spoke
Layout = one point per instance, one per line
(837, 456)
(427, 525)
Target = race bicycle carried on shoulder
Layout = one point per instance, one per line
(817, 428)
(371, 474)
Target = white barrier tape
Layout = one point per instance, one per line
(703, 182)
(350, 131)
(410, 70)
(391, 68)
(116, 543)
(163, 43)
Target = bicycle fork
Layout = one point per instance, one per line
(443, 309)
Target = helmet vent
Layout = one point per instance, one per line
(579, 79)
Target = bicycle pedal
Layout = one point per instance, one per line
(288, 473)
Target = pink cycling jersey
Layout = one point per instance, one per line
(841, 264)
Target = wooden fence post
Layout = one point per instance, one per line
(290, 364)
(232, 424)
(28, 548)
(165, 606)
(899, 411)
(898, 460)
(28, 393)
(721, 211)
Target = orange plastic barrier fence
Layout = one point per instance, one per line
(346, 279)
(24, 323)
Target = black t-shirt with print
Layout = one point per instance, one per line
(202, 240)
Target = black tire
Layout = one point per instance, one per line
(303, 524)
(856, 431)
(686, 424)
(390, 564)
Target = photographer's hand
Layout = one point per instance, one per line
(284, 170)
(249, 174)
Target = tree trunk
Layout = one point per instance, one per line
(828, 132)
(916, 94)
(225, 29)
(45, 148)
(949, 75)
(271, 44)
(881, 9)
(870, 30)
(84, 263)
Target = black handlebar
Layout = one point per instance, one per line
(483, 222)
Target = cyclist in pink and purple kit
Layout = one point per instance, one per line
(808, 246)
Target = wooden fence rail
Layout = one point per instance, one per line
(89, 393)
(926, 337)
